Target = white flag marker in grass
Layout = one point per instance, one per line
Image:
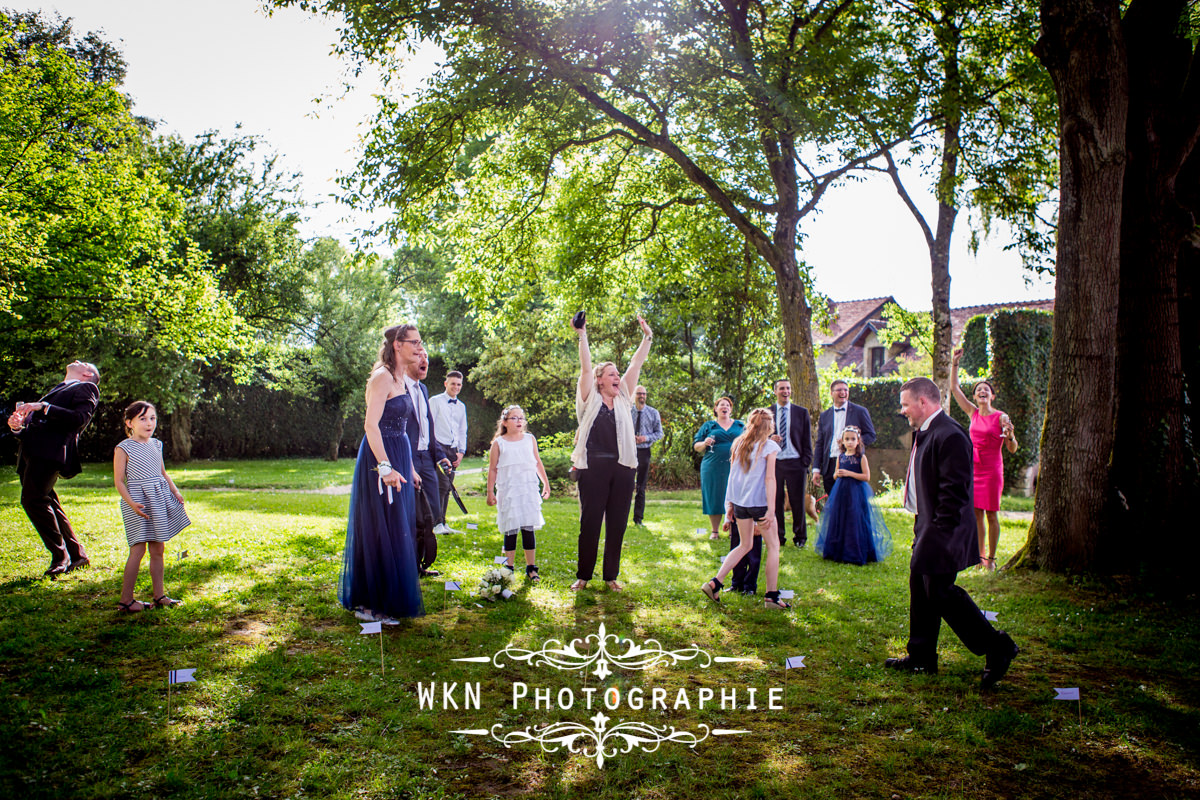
(181, 676)
(1072, 694)
(374, 627)
(795, 662)
(500, 560)
(506, 593)
(990, 616)
(472, 526)
(177, 676)
(700, 531)
(453, 586)
(787, 594)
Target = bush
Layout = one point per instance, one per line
(975, 346)
(881, 397)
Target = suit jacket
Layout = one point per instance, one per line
(414, 428)
(53, 435)
(800, 433)
(855, 415)
(944, 536)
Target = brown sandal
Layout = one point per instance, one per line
(127, 608)
(579, 584)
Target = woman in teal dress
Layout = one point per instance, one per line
(714, 439)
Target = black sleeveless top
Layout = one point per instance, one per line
(602, 441)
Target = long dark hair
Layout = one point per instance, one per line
(387, 353)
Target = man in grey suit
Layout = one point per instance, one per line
(938, 490)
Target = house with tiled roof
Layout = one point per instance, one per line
(852, 340)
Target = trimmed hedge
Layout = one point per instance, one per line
(881, 397)
(975, 345)
(1019, 347)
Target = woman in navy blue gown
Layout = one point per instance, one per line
(379, 569)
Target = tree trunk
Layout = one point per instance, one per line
(1149, 462)
(1081, 45)
(181, 434)
(335, 441)
(939, 249)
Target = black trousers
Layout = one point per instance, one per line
(827, 478)
(933, 598)
(425, 467)
(41, 505)
(605, 492)
(639, 495)
(791, 475)
(745, 574)
(443, 494)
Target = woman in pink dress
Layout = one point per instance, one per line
(990, 430)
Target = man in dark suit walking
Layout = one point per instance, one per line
(49, 434)
(830, 425)
(793, 434)
(938, 490)
(427, 453)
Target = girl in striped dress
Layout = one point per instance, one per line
(150, 503)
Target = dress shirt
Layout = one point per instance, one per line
(418, 398)
(786, 450)
(651, 426)
(449, 422)
(910, 480)
(839, 425)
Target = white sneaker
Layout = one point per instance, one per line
(449, 529)
(441, 528)
(388, 620)
(364, 615)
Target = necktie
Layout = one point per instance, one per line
(908, 476)
(637, 423)
(783, 425)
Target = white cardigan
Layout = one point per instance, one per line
(586, 414)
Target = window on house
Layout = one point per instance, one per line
(876, 362)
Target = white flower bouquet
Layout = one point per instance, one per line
(494, 582)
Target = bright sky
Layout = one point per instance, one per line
(211, 65)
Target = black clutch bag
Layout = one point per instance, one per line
(579, 320)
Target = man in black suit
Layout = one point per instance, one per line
(830, 425)
(793, 434)
(427, 453)
(938, 489)
(49, 433)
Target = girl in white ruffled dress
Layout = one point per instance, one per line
(514, 468)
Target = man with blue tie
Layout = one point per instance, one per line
(793, 434)
(647, 429)
(830, 425)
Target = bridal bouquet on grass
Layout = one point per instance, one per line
(494, 583)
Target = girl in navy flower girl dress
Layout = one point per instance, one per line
(852, 529)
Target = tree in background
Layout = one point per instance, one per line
(89, 238)
(754, 111)
(348, 302)
(987, 108)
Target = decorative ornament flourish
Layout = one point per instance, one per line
(567, 657)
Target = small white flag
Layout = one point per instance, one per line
(500, 560)
(505, 593)
(1067, 694)
(186, 676)
(371, 627)
(700, 531)
(478, 606)
(182, 554)
(472, 526)
(990, 616)
(453, 586)
(794, 662)
(786, 594)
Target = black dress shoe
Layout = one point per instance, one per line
(801, 545)
(55, 571)
(79, 563)
(998, 661)
(430, 573)
(910, 664)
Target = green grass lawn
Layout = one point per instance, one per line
(289, 700)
